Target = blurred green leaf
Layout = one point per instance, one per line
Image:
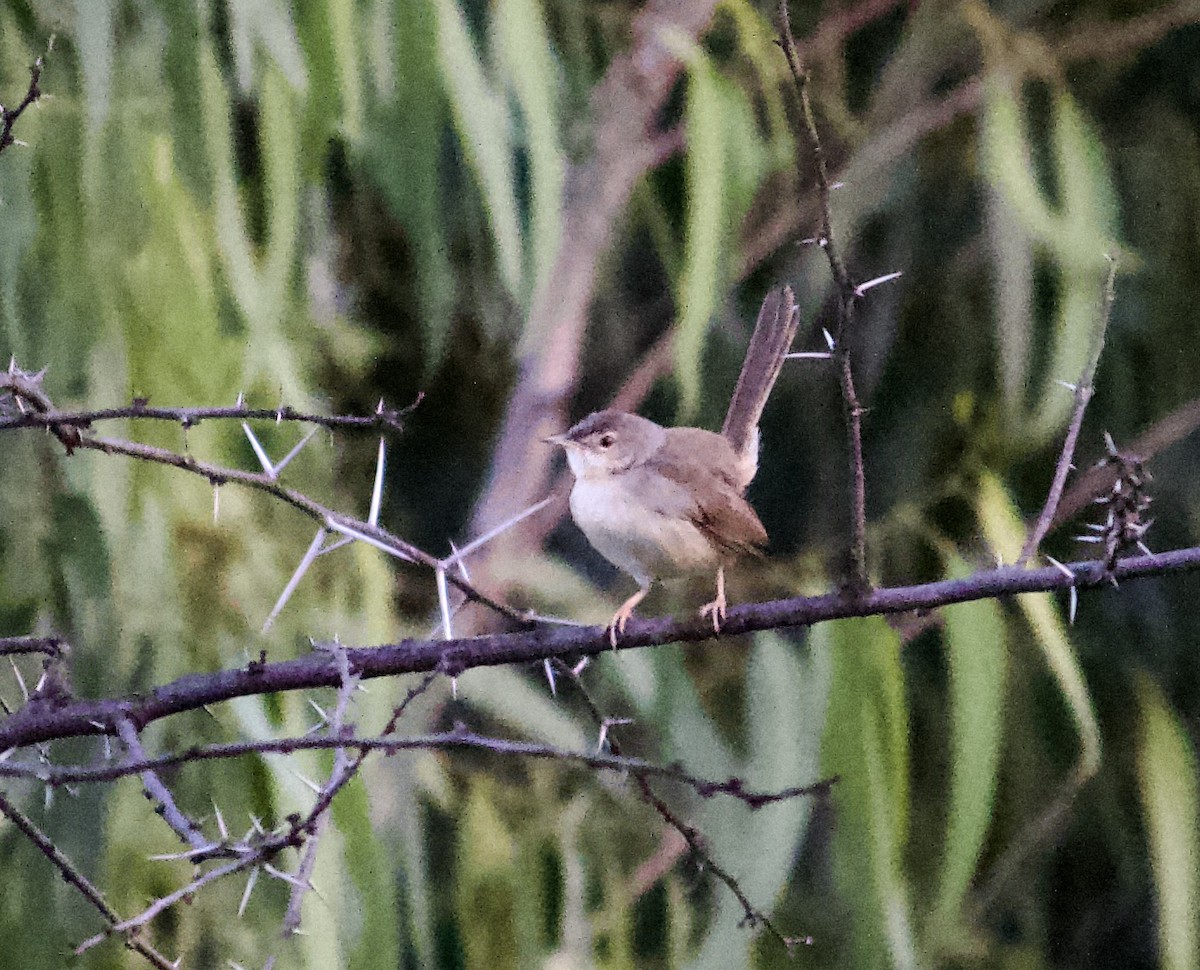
(370, 869)
(94, 36)
(488, 884)
(866, 745)
(267, 23)
(724, 163)
(344, 21)
(976, 651)
(1170, 786)
(1077, 231)
(526, 54)
(1004, 530)
(402, 154)
(485, 131)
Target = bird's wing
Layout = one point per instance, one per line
(689, 456)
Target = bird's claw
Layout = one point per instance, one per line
(715, 609)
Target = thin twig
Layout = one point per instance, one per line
(847, 297)
(343, 769)
(73, 877)
(752, 916)
(51, 646)
(1084, 390)
(219, 475)
(9, 116)
(384, 419)
(458, 739)
(187, 830)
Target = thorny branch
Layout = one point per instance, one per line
(35, 405)
(73, 877)
(188, 831)
(50, 646)
(384, 419)
(9, 116)
(1083, 391)
(847, 296)
(752, 916)
(456, 740)
(45, 722)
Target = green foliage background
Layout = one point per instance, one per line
(329, 201)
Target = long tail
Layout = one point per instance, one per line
(772, 338)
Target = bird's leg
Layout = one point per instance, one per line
(717, 607)
(621, 617)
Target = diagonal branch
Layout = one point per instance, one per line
(73, 877)
(10, 116)
(1083, 394)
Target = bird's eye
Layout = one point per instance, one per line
(606, 440)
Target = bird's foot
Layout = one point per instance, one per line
(621, 617)
(715, 609)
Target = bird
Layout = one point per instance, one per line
(664, 503)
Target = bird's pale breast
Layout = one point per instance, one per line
(650, 544)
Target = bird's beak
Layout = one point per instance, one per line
(557, 439)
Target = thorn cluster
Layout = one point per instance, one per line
(1126, 503)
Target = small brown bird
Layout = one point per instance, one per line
(662, 503)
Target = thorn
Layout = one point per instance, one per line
(1144, 549)
(216, 503)
(1061, 568)
(549, 668)
(828, 339)
(444, 602)
(1072, 604)
(606, 724)
(1068, 385)
(454, 687)
(377, 486)
(1089, 538)
(286, 877)
(250, 881)
(809, 355)
(263, 460)
(834, 186)
(810, 241)
(457, 557)
(878, 281)
(20, 680)
(295, 451)
(241, 400)
(580, 666)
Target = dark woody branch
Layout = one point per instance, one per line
(848, 294)
(9, 116)
(47, 720)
